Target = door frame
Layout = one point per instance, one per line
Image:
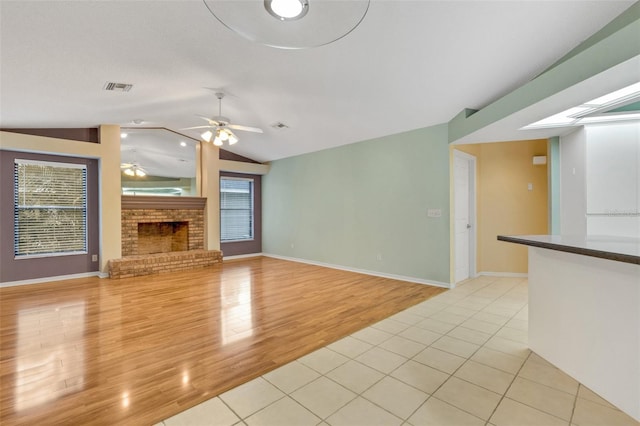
(473, 232)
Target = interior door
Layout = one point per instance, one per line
(462, 226)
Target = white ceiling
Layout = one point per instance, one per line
(410, 64)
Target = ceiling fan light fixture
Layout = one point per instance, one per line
(129, 172)
(287, 10)
(223, 135)
(217, 141)
(140, 172)
(207, 135)
(232, 139)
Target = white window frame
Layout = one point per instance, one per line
(253, 214)
(17, 207)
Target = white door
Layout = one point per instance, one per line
(463, 175)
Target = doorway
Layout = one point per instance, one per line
(464, 194)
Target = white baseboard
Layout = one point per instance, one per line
(504, 274)
(361, 271)
(242, 256)
(50, 279)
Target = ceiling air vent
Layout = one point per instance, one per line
(118, 87)
(279, 126)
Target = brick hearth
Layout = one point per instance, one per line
(159, 263)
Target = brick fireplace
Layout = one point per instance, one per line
(163, 237)
(155, 219)
(162, 234)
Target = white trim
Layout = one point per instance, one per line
(362, 271)
(50, 279)
(242, 256)
(473, 213)
(503, 274)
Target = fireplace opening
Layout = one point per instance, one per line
(163, 237)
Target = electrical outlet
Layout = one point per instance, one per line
(94, 257)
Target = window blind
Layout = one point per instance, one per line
(236, 209)
(50, 208)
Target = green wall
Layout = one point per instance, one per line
(364, 206)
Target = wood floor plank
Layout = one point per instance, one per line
(139, 350)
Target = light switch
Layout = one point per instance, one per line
(530, 187)
(434, 213)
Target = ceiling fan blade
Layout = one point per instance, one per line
(200, 127)
(125, 165)
(212, 122)
(245, 128)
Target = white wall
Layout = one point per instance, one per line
(613, 180)
(573, 193)
(600, 180)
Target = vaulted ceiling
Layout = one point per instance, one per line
(410, 64)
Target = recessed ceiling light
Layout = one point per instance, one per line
(137, 121)
(183, 143)
(290, 24)
(287, 10)
(123, 135)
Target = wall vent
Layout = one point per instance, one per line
(118, 87)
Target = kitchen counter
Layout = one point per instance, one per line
(584, 311)
(612, 248)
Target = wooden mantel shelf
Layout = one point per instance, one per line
(168, 203)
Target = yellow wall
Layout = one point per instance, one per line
(505, 206)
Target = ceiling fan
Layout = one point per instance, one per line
(133, 169)
(220, 127)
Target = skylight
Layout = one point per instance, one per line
(594, 111)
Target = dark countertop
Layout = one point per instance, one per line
(621, 249)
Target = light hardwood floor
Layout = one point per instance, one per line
(136, 351)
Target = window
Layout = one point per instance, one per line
(236, 209)
(50, 208)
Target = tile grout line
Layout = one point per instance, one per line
(432, 395)
(447, 306)
(575, 403)
(504, 395)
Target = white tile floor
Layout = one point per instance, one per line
(460, 358)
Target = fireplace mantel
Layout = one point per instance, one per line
(130, 202)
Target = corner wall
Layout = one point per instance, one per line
(364, 206)
(505, 205)
(108, 154)
(573, 178)
(601, 180)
